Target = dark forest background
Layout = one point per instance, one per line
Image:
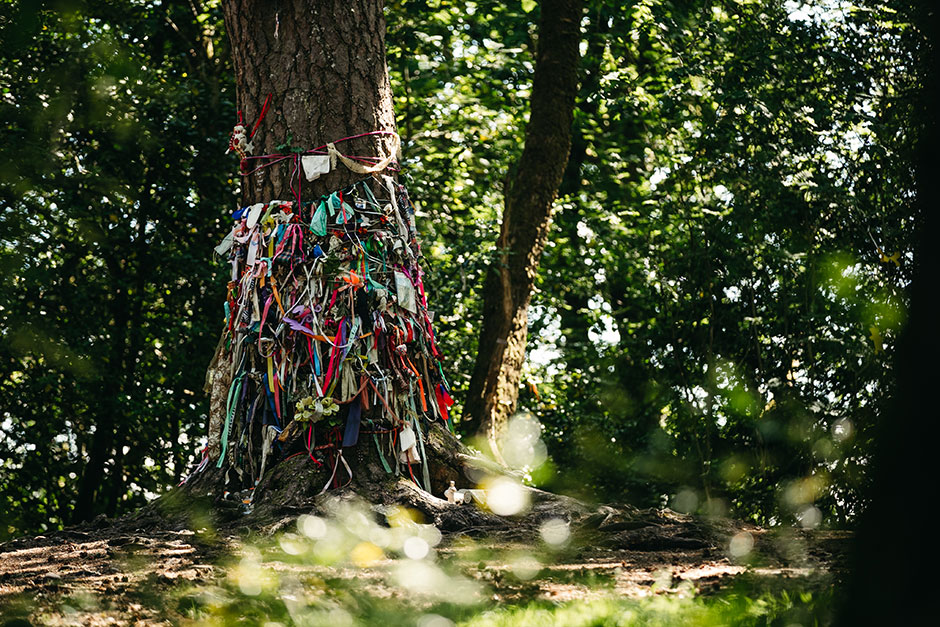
(718, 306)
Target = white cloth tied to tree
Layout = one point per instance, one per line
(315, 166)
(409, 447)
(406, 292)
(359, 168)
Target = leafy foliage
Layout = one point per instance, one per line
(718, 302)
(114, 127)
(716, 309)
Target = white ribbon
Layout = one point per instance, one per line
(359, 168)
(339, 458)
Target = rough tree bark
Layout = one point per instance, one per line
(494, 385)
(323, 63)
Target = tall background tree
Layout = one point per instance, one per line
(903, 457)
(494, 386)
(739, 258)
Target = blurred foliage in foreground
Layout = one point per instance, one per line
(352, 567)
(409, 579)
(717, 306)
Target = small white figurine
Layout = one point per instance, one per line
(454, 495)
(450, 492)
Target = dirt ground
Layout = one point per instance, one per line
(126, 571)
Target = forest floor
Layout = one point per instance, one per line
(361, 564)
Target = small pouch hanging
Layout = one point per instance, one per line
(409, 447)
(406, 292)
(318, 223)
(315, 166)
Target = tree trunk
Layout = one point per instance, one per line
(323, 62)
(92, 482)
(494, 386)
(320, 66)
(887, 558)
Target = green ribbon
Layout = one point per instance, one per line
(230, 407)
(378, 447)
(371, 196)
(318, 222)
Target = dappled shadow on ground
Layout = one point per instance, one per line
(362, 561)
(102, 576)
